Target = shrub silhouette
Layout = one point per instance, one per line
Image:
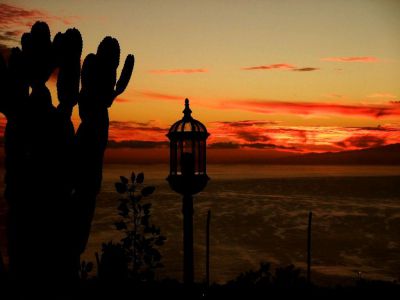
(137, 254)
(288, 277)
(53, 174)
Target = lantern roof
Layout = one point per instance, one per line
(187, 124)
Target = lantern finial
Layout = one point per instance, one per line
(187, 111)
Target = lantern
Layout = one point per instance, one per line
(187, 176)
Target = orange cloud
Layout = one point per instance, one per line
(179, 71)
(364, 59)
(282, 66)
(246, 123)
(270, 67)
(161, 96)
(382, 95)
(307, 69)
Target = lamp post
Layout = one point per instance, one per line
(187, 176)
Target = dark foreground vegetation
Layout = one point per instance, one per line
(263, 283)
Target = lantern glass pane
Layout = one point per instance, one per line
(187, 126)
(187, 146)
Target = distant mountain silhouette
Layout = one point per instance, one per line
(383, 155)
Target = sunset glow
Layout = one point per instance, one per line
(259, 76)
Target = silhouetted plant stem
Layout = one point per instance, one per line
(137, 255)
(309, 248)
(208, 248)
(97, 262)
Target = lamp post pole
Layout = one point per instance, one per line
(188, 262)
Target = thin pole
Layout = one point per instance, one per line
(208, 248)
(309, 248)
(188, 265)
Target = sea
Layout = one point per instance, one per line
(259, 213)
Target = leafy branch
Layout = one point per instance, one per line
(141, 238)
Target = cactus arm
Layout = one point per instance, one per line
(39, 54)
(125, 75)
(68, 48)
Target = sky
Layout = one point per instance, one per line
(265, 77)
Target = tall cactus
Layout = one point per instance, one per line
(53, 174)
(99, 89)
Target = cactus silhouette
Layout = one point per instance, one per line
(97, 94)
(53, 174)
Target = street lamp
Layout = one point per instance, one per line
(187, 175)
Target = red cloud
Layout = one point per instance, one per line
(267, 146)
(307, 108)
(137, 144)
(15, 19)
(252, 135)
(259, 134)
(288, 107)
(122, 100)
(224, 145)
(129, 130)
(299, 138)
(352, 59)
(179, 71)
(363, 141)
